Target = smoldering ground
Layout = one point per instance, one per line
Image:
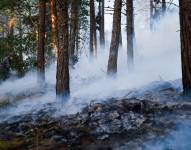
(157, 58)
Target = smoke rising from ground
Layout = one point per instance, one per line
(177, 140)
(157, 57)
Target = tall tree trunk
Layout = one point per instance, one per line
(41, 41)
(112, 63)
(3, 32)
(21, 61)
(163, 6)
(185, 34)
(102, 27)
(93, 38)
(77, 40)
(62, 76)
(78, 30)
(120, 38)
(54, 26)
(73, 29)
(151, 14)
(130, 34)
(98, 19)
(157, 10)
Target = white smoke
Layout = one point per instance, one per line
(157, 56)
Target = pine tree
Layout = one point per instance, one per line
(41, 41)
(62, 76)
(163, 6)
(93, 37)
(114, 46)
(102, 22)
(130, 33)
(73, 29)
(185, 34)
(54, 26)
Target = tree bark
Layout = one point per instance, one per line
(112, 63)
(130, 34)
(54, 25)
(77, 40)
(120, 38)
(3, 31)
(185, 34)
(102, 27)
(93, 37)
(21, 61)
(62, 76)
(73, 29)
(163, 6)
(41, 41)
(151, 14)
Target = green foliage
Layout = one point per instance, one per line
(24, 41)
(9, 4)
(10, 145)
(3, 48)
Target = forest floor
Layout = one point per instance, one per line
(144, 119)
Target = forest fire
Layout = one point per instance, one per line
(100, 75)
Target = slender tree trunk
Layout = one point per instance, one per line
(93, 38)
(3, 32)
(73, 30)
(151, 14)
(20, 36)
(102, 29)
(163, 6)
(78, 30)
(98, 18)
(54, 25)
(62, 76)
(157, 10)
(77, 40)
(41, 41)
(130, 34)
(185, 34)
(120, 38)
(112, 63)
(21, 69)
